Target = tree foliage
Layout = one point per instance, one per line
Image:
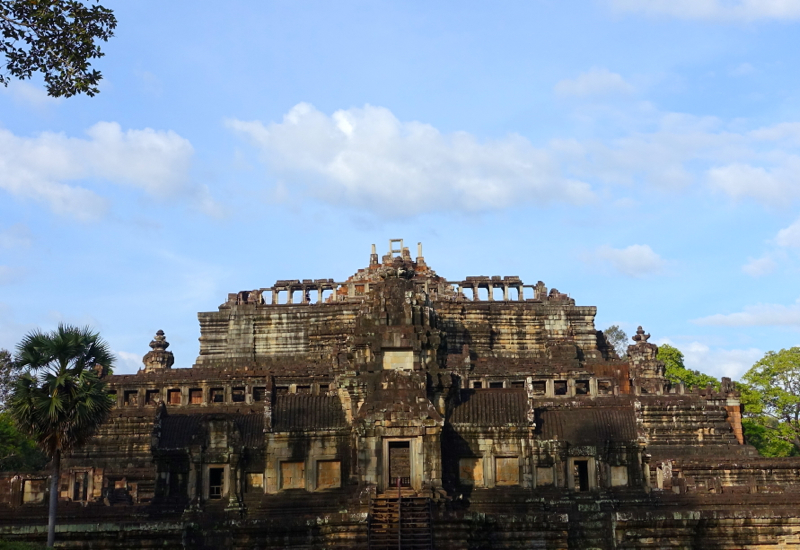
(9, 372)
(60, 399)
(618, 339)
(675, 371)
(57, 38)
(18, 452)
(771, 395)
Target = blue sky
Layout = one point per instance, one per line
(641, 155)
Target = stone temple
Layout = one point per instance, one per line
(399, 409)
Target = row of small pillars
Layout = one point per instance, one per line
(539, 290)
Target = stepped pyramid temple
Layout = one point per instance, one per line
(400, 409)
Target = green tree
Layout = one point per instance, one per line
(771, 395)
(9, 372)
(675, 371)
(60, 399)
(18, 452)
(618, 339)
(58, 38)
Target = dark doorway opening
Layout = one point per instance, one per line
(81, 488)
(215, 482)
(581, 475)
(399, 464)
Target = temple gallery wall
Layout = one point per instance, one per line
(399, 409)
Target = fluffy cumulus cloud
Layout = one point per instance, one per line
(638, 260)
(672, 151)
(366, 157)
(757, 315)
(44, 168)
(718, 10)
(597, 81)
(720, 362)
(770, 185)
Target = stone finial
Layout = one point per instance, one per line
(159, 358)
(640, 336)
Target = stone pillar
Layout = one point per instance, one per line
(505, 292)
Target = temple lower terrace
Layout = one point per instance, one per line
(399, 409)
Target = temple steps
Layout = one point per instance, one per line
(400, 523)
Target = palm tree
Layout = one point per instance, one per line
(60, 399)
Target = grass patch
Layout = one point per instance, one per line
(8, 545)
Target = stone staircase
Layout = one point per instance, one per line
(400, 523)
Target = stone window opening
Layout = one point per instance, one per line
(519, 384)
(303, 390)
(483, 294)
(293, 475)
(174, 397)
(539, 387)
(329, 474)
(113, 395)
(80, 487)
(237, 394)
(560, 387)
(196, 396)
(496, 384)
(605, 387)
(281, 390)
(296, 296)
(131, 398)
(581, 387)
(477, 384)
(217, 395)
(255, 482)
(259, 393)
(506, 470)
(151, 397)
(216, 483)
(282, 296)
(326, 294)
(498, 294)
(324, 388)
(580, 473)
(471, 471)
(527, 293)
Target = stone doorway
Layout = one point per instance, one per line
(399, 464)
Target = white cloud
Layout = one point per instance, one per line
(719, 362)
(790, 236)
(760, 266)
(597, 81)
(717, 10)
(757, 315)
(17, 235)
(775, 185)
(127, 363)
(366, 157)
(38, 168)
(786, 132)
(637, 260)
